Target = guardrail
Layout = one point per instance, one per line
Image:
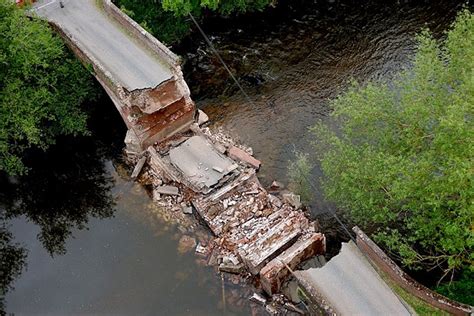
(380, 260)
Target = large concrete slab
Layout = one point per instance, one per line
(351, 285)
(199, 162)
(135, 66)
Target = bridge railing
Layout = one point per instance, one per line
(140, 33)
(391, 269)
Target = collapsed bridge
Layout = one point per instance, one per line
(256, 232)
(140, 74)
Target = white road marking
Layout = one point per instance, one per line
(45, 5)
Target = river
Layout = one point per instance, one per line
(114, 252)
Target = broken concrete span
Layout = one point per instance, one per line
(256, 233)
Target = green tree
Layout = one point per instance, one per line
(183, 7)
(401, 163)
(42, 87)
(165, 26)
(299, 172)
(168, 21)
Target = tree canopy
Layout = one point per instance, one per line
(183, 7)
(42, 87)
(164, 25)
(401, 163)
(168, 20)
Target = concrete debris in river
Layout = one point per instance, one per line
(255, 234)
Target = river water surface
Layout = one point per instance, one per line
(113, 253)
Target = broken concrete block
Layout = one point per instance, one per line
(231, 268)
(156, 196)
(202, 117)
(213, 258)
(186, 209)
(231, 259)
(138, 167)
(292, 199)
(220, 148)
(293, 308)
(132, 143)
(196, 130)
(195, 158)
(167, 190)
(218, 169)
(240, 155)
(259, 299)
(271, 309)
(276, 186)
(275, 201)
(200, 249)
(275, 272)
(232, 167)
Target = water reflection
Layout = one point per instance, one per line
(13, 258)
(96, 243)
(65, 187)
(123, 265)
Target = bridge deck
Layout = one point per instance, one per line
(132, 64)
(351, 286)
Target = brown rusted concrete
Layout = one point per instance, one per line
(242, 156)
(276, 271)
(141, 75)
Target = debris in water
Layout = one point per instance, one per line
(186, 244)
(138, 167)
(200, 249)
(167, 190)
(257, 298)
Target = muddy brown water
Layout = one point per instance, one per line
(124, 260)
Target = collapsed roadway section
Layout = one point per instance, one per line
(255, 232)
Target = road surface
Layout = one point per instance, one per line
(352, 287)
(132, 64)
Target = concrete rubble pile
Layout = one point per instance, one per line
(256, 234)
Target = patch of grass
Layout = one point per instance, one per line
(419, 306)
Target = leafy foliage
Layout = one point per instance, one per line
(168, 21)
(166, 26)
(402, 163)
(183, 7)
(298, 174)
(42, 86)
(461, 290)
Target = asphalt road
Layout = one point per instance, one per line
(352, 286)
(129, 62)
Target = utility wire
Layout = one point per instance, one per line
(208, 41)
(325, 209)
(313, 186)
